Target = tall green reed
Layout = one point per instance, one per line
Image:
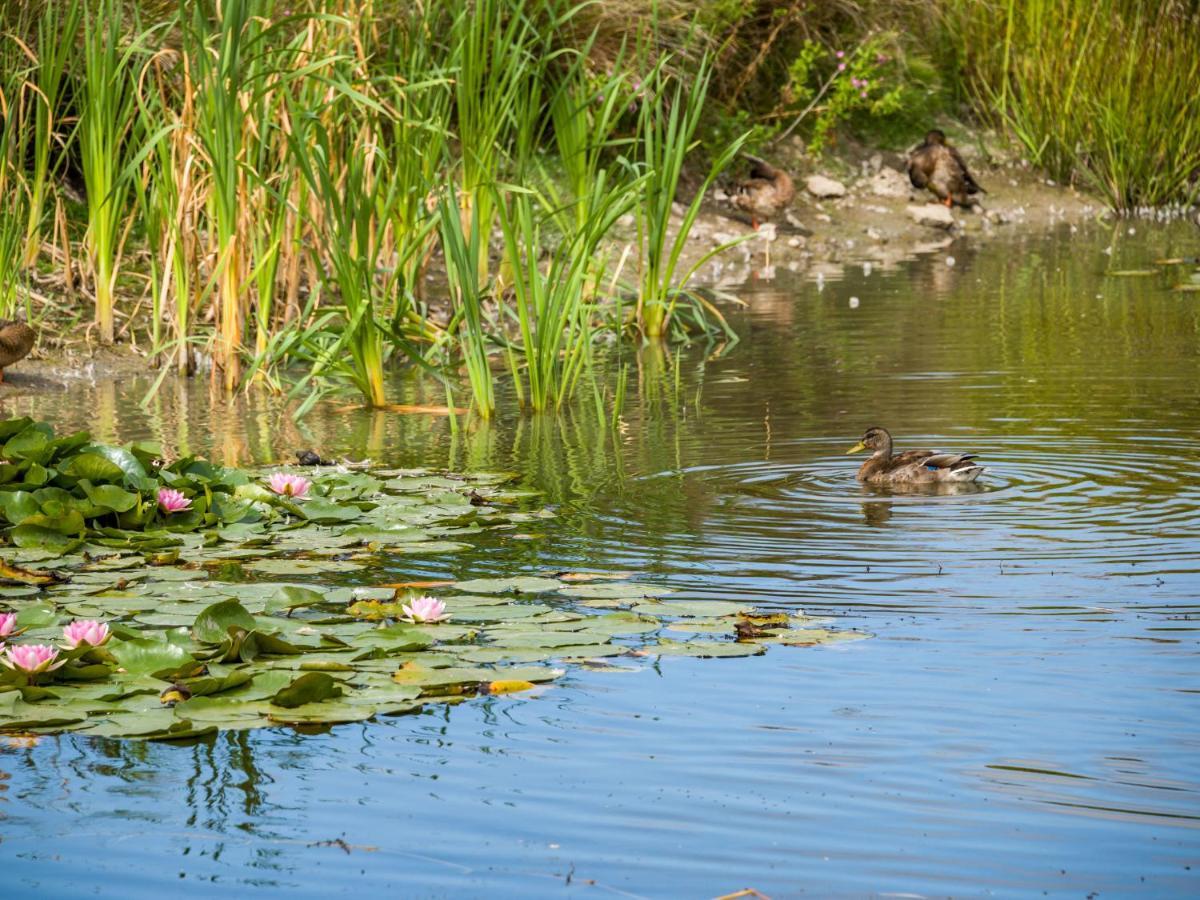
(492, 44)
(463, 247)
(57, 30)
(229, 46)
(357, 195)
(669, 114)
(106, 117)
(1102, 91)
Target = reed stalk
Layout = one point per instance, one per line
(107, 113)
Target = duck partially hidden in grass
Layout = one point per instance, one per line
(16, 340)
(765, 194)
(911, 466)
(938, 167)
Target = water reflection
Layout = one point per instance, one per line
(1025, 708)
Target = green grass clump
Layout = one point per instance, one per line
(1099, 91)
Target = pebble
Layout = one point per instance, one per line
(822, 186)
(854, 303)
(932, 214)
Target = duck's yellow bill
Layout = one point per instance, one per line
(859, 446)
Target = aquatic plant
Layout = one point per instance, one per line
(85, 631)
(224, 617)
(425, 609)
(462, 250)
(288, 485)
(57, 31)
(171, 500)
(105, 121)
(32, 659)
(669, 114)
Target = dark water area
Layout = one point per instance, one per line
(1024, 721)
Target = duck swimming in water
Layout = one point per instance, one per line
(911, 466)
(939, 167)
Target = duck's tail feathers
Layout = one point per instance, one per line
(966, 474)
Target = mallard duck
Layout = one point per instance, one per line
(16, 340)
(765, 194)
(911, 466)
(938, 166)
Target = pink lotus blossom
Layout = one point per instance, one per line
(8, 624)
(425, 609)
(31, 658)
(287, 485)
(171, 500)
(85, 631)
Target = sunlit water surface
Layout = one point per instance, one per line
(1025, 720)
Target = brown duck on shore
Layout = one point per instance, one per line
(765, 194)
(939, 167)
(911, 466)
(16, 340)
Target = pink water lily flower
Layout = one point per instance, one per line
(425, 609)
(8, 624)
(171, 500)
(31, 658)
(287, 485)
(85, 631)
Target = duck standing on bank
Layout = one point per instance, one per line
(16, 340)
(765, 194)
(911, 466)
(938, 167)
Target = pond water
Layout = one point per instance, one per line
(1024, 720)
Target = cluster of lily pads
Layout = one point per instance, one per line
(156, 599)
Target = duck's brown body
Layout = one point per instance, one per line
(938, 167)
(16, 340)
(911, 466)
(765, 194)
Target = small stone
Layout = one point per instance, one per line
(876, 162)
(794, 242)
(950, 261)
(854, 303)
(767, 232)
(887, 182)
(932, 214)
(822, 187)
(627, 220)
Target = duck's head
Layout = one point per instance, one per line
(874, 439)
(935, 136)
